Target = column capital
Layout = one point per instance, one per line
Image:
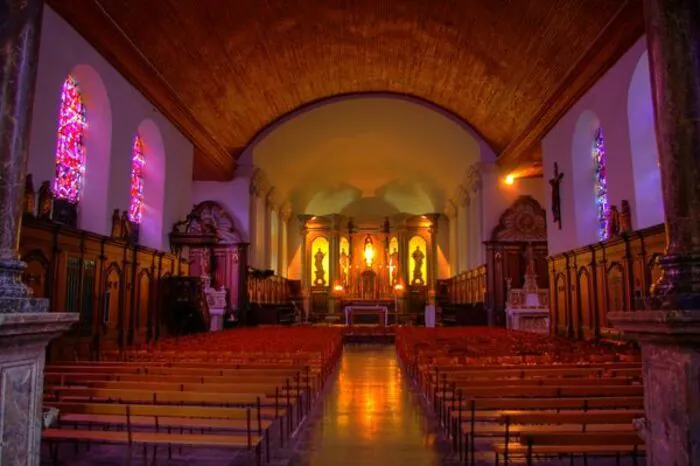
(259, 184)
(285, 212)
(450, 209)
(461, 196)
(273, 199)
(472, 177)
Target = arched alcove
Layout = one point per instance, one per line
(151, 233)
(642, 134)
(583, 175)
(94, 213)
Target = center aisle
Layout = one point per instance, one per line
(370, 416)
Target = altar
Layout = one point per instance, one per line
(382, 313)
(367, 269)
(527, 308)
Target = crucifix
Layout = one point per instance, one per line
(556, 199)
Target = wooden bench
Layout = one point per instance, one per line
(131, 415)
(571, 444)
(463, 420)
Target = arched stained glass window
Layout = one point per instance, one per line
(138, 161)
(70, 148)
(600, 186)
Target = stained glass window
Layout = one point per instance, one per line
(137, 163)
(70, 148)
(600, 186)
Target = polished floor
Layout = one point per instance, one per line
(370, 417)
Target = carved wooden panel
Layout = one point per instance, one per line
(91, 274)
(616, 272)
(562, 309)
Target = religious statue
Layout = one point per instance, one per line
(418, 257)
(125, 226)
(45, 201)
(556, 199)
(613, 222)
(116, 225)
(344, 266)
(318, 264)
(29, 203)
(625, 217)
(394, 266)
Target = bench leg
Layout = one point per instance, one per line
(267, 446)
(258, 459)
(53, 453)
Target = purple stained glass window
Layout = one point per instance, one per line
(600, 187)
(70, 147)
(138, 161)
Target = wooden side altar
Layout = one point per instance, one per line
(379, 263)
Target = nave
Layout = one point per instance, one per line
(297, 396)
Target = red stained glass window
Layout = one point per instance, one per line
(138, 161)
(70, 148)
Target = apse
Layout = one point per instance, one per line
(375, 154)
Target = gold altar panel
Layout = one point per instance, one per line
(417, 260)
(320, 260)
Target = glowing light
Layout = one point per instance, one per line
(338, 288)
(138, 161)
(369, 252)
(600, 186)
(70, 148)
(398, 287)
(510, 179)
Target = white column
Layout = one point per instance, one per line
(462, 202)
(451, 214)
(284, 215)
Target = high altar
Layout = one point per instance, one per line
(380, 269)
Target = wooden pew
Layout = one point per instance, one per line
(134, 415)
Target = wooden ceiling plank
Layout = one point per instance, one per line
(620, 34)
(92, 22)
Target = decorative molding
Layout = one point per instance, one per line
(273, 199)
(525, 220)
(209, 222)
(472, 178)
(461, 197)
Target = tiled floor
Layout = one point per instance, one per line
(370, 416)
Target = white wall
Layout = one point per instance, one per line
(115, 112)
(234, 195)
(620, 102)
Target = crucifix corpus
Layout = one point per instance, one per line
(556, 199)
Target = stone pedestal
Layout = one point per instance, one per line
(670, 342)
(23, 340)
(216, 319)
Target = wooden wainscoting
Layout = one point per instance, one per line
(588, 282)
(114, 286)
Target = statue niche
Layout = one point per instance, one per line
(320, 279)
(344, 263)
(417, 275)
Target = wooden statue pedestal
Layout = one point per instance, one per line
(670, 342)
(23, 340)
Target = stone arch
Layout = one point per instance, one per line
(152, 233)
(582, 172)
(642, 135)
(94, 213)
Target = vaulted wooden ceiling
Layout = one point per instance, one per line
(222, 70)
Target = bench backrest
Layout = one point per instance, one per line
(151, 410)
(634, 402)
(154, 397)
(620, 416)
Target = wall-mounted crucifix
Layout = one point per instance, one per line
(556, 199)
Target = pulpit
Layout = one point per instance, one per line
(216, 304)
(527, 308)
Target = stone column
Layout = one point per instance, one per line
(25, 325)
(476, 248)
(285, 214)
(669, 330)
(432, 255)
(462, 202)
(451, 214)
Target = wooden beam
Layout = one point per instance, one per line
(620, 34)
(99, 30)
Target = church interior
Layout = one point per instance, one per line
(309, 232)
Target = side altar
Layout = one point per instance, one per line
(382, 270)
(527, 308)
